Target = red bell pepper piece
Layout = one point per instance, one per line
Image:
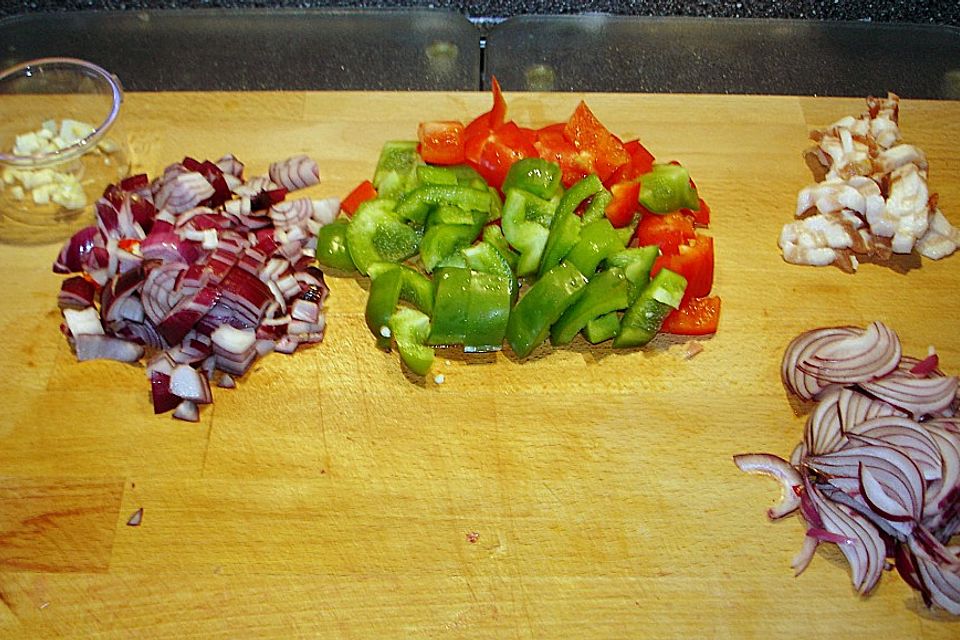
(695, 317)
(624, 205)
(441, 142)
(361, 193)
(602, 151)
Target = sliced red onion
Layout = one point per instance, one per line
(803, 558)
(905, 435)
(230, 340)
(918, 396)
(855, 407)
(230, 165)
(855, 358)
(136, 519)
(780, 470)
(103, 347)
(823, 432)
(295, 173)
(926, 366)
(802, 347)
(184, 192)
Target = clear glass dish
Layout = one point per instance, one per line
(61, 142)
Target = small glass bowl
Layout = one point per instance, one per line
(61, 141)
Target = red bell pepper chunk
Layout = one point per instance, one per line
(494, 152)
(441, 142)
(641, 162)
(624, 204)
(666, 231)
(695, 317)
(553, 146)
(492, 119)
(600, 149)
(701, 217)
(694, 261)
(361, 193)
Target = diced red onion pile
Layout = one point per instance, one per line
(878, 471)
(199, 271)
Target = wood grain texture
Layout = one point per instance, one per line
(583, 493)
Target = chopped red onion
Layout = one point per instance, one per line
(181, 267)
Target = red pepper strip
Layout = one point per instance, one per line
(363, 192)
(552, 145)
(701, 217)
(666, 231)
(695, 317)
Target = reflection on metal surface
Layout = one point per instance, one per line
(951, 84)
(259, 49)
(442, 56)
(540, 77)
(693, 55)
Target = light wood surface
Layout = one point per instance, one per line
(583, 493)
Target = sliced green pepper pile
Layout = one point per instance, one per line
(452, 262)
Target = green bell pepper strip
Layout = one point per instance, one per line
(493, 234)
(451, 291)
(523, 227)
(606, 292)
(667, 188)
(382, 301)
(534, 175)
(636, 263)
(565, 226)
(603, 328)
(597, 209)
(430, 174)
(396, 171)
(410, 329)
(376, 234)
(542, 305)
(332, 251)
(416, 204)
(489, 312)
(443, 240)
(642, 321)
(598, 240)
(486, 258)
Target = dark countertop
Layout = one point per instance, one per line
(943, 12)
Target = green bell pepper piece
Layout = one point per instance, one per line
(467, 176)
(597, 209)
(471, 308)
(416, 204)
(603, 328)
(376, 234)
(451, 290)
(643, 319)
(410, 329)
(452, 214)
(636, 263)
(430, 174)
(489, 312)
(667, 188)
(542, 305)
(565, 226)
(443, 240)
(606, 292)
(493, 234)
(534, 175)
(332, 251)
(486, 258)
(382, 301)
(396, 171)
(598, 240)
(524, 227)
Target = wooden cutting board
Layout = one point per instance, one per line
(584, 493)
